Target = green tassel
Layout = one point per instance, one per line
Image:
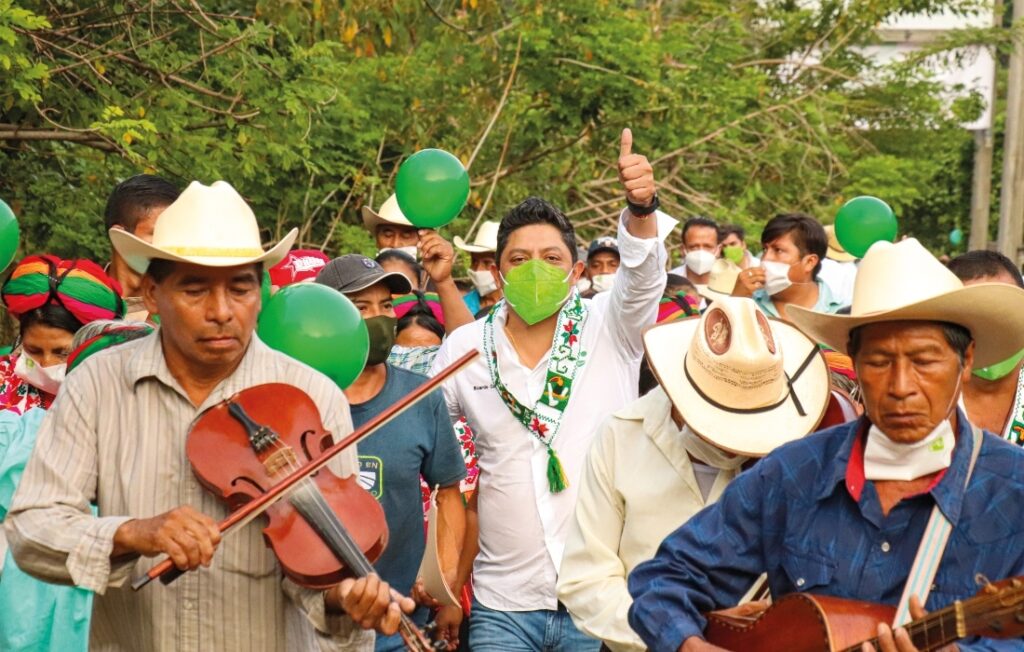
(556, 476)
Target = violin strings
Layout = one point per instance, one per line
(409, 634)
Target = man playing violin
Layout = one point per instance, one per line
(116, 438)
(843, 513)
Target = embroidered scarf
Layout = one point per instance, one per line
(567, 357)
(1015, 428)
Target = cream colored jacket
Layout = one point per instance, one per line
(637, 487)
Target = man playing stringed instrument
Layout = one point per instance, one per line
(116, 438)
(844, 513)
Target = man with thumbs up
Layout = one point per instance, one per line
(553, 366)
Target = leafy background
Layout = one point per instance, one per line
(307, 107)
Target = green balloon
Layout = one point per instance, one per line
(10, 235)
(863, 221)
(265, 289)
(956, 236)
(317, 325)
(432, 187)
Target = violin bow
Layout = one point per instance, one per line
(166, 570)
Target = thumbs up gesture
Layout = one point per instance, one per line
(635, 172)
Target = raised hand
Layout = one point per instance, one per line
(437, 255)
(635, 172)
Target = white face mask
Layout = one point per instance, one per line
(776, 277)
(700, 261)
(707, 453)
(602, 282)
(412, 251)
(47, 379)
(885, 459)
(583, 284)
(483, 282)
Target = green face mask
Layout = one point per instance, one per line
(1000, 369)
(733, 253)
(536, 290)
(382, 338)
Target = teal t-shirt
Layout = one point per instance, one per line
(418, 442)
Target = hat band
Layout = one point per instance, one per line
(791, 394)
(219, 252)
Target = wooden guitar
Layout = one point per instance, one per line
(801, 622)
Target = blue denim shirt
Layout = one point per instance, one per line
(792, 516)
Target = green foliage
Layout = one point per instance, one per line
(747, 109)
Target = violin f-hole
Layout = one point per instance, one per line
(248, 480)
(304, 442)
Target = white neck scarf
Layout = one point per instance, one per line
(708, 453)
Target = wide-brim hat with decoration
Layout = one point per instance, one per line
(389, 213)
(721, 280)
(212, 226)
(741, 381)
(485, 240)
(904, 282)
(835, 250)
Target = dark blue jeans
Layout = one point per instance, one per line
(526, 631)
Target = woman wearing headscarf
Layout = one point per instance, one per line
(51, 298)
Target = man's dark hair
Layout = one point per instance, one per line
(981, 263)
(700, 221)
(808, 235)
(534, 210)
(136, 196)
(958, 338)
(50, 315)
(726, 230)
(159, 269)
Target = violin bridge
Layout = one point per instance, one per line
(282, 459)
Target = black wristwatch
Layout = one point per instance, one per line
(641, 211)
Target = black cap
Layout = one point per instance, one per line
(604, 243)
(354, 272)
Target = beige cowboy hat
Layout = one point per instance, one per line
(904, 282)
(210, 226)
(835, 250)
(721, 280)
(742, 381)
(486, 239)
(389, 213)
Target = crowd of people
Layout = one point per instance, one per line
(634, 446)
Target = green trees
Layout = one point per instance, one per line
(307, 107)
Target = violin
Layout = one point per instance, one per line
(264, 451)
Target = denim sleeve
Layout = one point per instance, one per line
(724, 542)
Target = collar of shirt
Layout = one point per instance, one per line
(148, 362)
(848, 469)
(826, 303)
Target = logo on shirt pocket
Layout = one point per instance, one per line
(371, 475)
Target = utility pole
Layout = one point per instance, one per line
(1011, 200)
(981, 188)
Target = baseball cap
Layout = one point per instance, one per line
(354, 272)
(604, 243)
(299, 265)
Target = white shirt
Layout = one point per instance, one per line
(523, 525)
(839, 277)
(638, 486)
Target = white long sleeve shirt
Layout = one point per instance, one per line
(523, 526)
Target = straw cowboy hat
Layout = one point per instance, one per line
(207, 225)
(721, 280)
(835, 250)
(901, 282)
(742, 381)
(486, 239)
(389, 213)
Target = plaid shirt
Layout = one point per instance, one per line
(794, 516)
